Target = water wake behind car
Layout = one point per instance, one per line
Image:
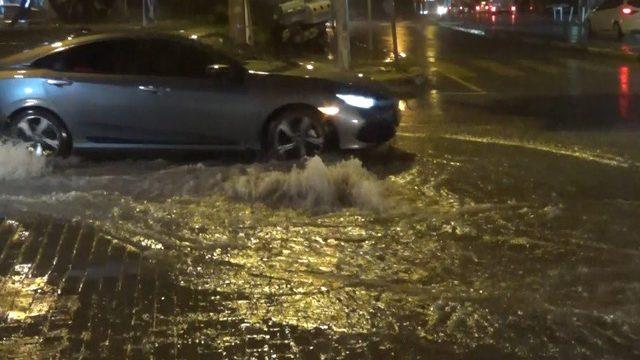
(152, 192)
(18, 162)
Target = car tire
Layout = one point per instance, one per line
(618, 30)
(42, 130)
(296, 134)
(589, 28)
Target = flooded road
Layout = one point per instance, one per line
(500, 223)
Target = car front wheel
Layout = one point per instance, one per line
(42, 131)
(296, 134)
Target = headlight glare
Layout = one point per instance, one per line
(358, 101)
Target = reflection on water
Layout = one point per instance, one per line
(624, 96)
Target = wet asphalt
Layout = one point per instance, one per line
(501, 222)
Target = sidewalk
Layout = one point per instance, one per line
(68, 290)
(540, 29)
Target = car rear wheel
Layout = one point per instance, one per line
(296, 134)
(617, 30)
(42, 131)
(589, 28)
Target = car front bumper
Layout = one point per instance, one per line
(362, 128)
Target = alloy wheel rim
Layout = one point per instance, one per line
(41, 135)
(298, 137)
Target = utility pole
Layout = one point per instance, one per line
(144, 13)
(370, 25)
(240, 29)
(394, 33)
(390, 9)
(341, 8)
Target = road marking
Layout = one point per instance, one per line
(411, 135)
(540, 66)
(593, 67)
(463, 82)
(498, 68)
(611, 160)
(458, 92)
(450, 68)
(478, 32)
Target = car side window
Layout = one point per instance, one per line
(104, 57)
(173, 58)
(610, 4)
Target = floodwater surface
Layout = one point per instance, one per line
(463, 250)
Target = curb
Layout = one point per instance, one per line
(406, 86)
(528, 38)
(583, 48)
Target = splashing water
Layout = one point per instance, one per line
(316, 188)
(142, 203)
(18, 162)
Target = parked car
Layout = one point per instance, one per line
(9, 11)
(619, 17)
(157, 91)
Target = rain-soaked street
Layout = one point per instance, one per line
(501, 222)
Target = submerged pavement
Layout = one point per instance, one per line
(500, 223)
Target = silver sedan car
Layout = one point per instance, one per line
(158, 91)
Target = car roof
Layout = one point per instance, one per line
(29, 56)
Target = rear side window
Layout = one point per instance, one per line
(634, 3)
(173, 58)
(105, 57)
(610, 4)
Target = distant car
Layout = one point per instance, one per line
(496, 7)
(158, 91)
(617, 16)
(461, 8)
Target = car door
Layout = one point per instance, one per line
(200, 108)
(95, 90)
(605, 14)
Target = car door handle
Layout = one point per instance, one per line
(150, 88)
(59, 82)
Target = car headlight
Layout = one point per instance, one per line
(402, 105)
(363, 102)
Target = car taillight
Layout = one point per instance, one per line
(493, 9)
(628, 11)
(477, 8)
(513, 9)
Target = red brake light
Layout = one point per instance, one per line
(493, 9)
(513, 9)
(629, 11)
